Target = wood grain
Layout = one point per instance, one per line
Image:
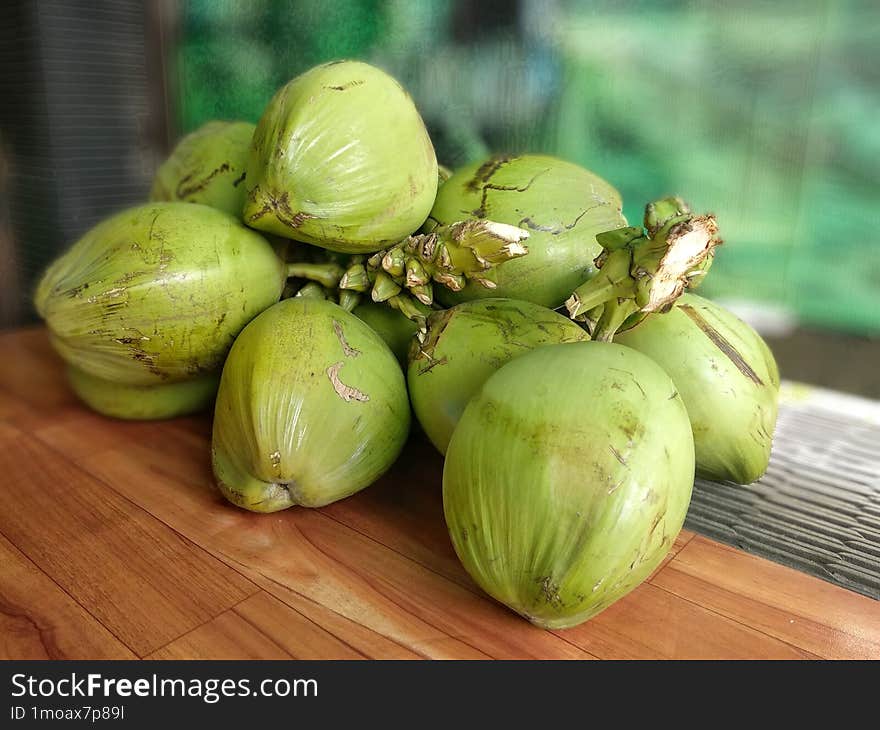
(30, 370)
(802, 610)
(38, 620)
(651, 623)
(116, 541)
(144, 582)
(260, 627)
(227, 636)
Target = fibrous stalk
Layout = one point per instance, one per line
(643, 271)
(404, 275)
(326, 274)
(449, 255)
(312, 290)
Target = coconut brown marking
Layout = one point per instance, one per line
(260, 213)
(439, 322)
(346, 392)
(633, 378)
(569, 226)
(152, 227)
(434, 363)
(239, 180)
(554, 230)
(485, 171)
(286, 215)
(346, 348)
(281, 208)
(721, 343)
(550, 592)
(148, 360)
(184, 190)
(481, 211)
(529, 223)
(130, 340)
(76, 291)
(346, 85)
(617, 455)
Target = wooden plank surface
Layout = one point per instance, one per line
(39, 620)
(115, 543)
(799, 609)
(143, 581)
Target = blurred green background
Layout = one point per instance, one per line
(765, 113)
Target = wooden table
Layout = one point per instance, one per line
(115, 544)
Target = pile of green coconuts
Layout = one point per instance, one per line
(318, 279)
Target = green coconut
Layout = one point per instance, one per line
(568, 478)
(728, 380)
(341, 159)
(143, 402)
(312, 407)
(561, 205)
(207, 166)
(464, 345)
(157, 293)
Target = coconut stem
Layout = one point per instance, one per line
(404, 275)
(327, 275)
(613, 279)
(348, 300)
(409, 308)
(312, 290)
(645, 271)
(614, 314)
(449, 255)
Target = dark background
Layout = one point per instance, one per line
(764, 112)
